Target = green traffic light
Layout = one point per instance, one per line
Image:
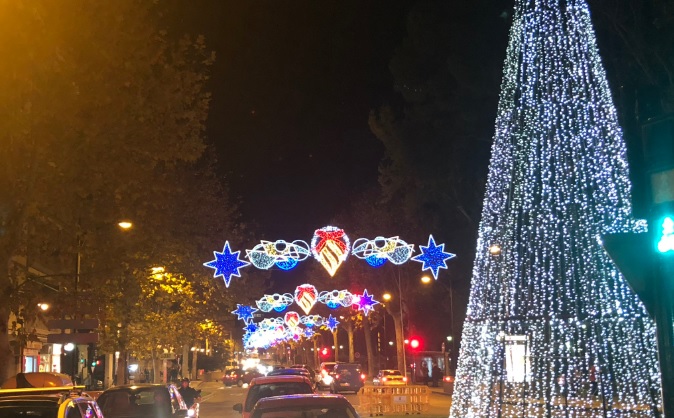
(666, 242)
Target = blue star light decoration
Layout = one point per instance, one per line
(331, 323)
(433, 256)
(244, 312)
(251, 328)
(365, 303)
(227, 264)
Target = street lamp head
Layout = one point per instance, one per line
(386, 296)
(43, 306)
(69, 347)
(450, 338)
(125, 225)
(425, 280)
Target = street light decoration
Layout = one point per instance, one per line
(364, 302)
(227, 264)
(433, 257)
(306, 296)
(336, 298)
(276, 302)
(244, 312)
(379, 250)
(282, 254)
(331, 323)
(330, 246)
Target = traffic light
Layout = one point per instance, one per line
(415, 343)
(664, 234)
(325, 352)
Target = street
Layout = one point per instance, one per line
(217, 401)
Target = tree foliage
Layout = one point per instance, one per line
(104, 120)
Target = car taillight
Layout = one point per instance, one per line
(337, 377)
(404, 379)
(383, 379)
(362, 376)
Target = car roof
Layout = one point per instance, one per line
(317, 399)
(390, 371)
(135, 387)
(279, 378)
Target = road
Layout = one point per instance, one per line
(217, 401)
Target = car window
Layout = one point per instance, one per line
(266, 390)
(73, 411)
(26, 410)
(392, 373)
(305, 412)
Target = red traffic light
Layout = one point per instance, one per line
(325, 352)
(414, 343)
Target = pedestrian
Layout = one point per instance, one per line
(437, 375)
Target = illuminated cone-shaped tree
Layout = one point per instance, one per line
(552, 328)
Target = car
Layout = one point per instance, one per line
(144, 400)
(311, 371)
(304, 406)
(347, 377)
(389, 377)
(264, 387)
(239, 377)
(290, 371)
(47, 402)
(324, 376)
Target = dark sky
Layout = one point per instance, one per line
(293, 85)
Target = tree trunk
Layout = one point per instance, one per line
(400, 344)
(336, 343)
(184, 362)
(121, 368)
(156, 376)
(194, 373)
(349, 331)
(7, 367)
(368, 346)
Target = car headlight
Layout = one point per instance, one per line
(190, 412)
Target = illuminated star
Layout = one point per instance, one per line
(366, 303)
(433, 256)
(251, 328)
(332, 323)
(244, 312)
(227, 264)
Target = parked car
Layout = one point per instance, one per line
(324, 376)
(310, 405)
(290, 372)
(47, 402)
(389, 377)
(264, 387)
(239, 377)
(347, 377)
(144, 400)
(311, 371)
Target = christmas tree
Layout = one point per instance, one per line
(552, 328)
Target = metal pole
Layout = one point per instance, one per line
(402, 325)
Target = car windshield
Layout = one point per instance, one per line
(305, 412)
(266, 390)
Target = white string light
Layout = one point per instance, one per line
(550, 319)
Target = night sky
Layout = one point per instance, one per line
(293, 86)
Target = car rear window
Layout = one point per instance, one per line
(266, 390)
(350, 367)
(305, 412)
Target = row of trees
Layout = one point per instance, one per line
(103, 119)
